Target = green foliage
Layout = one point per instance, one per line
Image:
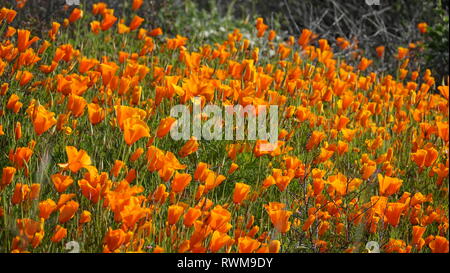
(436, 46)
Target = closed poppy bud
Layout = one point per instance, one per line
(75, 15)
(18, 130)
(67, 211)
(174, 214)
(164, 126)
(272, 35)
(136, 22)
(95, 27)
(199, 192)
(117, 167)
(135, 156)
(274, 246)
(136, 4)
(4, 88)
(155, 32)
(402, 53)
(25, 78)
(380, 51)
(241, 191)
(233, 168)
(131, 175)
(60, 233)
(35, 191)
(85, 217)
(423, 27)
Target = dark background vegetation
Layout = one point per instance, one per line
(392, 23)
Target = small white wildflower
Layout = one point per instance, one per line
(73, 2)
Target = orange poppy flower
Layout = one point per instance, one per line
(439, 245)
(85, 217)
(180, 181)
(95, 27)
(136, 4)
(23, 40)
(46, 208)
(86, 64)
(96, 114)
(191, 216)
(43, 119)
(124, 112)
(75, 15)
(233, 168)
(55, 28)
(114, 239)
(134, 129)
(174, 214)
(76, 105)
(247, 245)
(77, 159)
(61, 182)
(155, 32)
(423, 27)
(32, 231)
(241, 192)
(388, 185)
(21, 193)
(218, 240)
(18, 130)
(425, 158)
(218, 217)
(164, 126)
(13, 103)
(7, 176)
(8, 14)
(108, 21)
(189, 147)
(393, 213)
(60, 233)
(67, 211)
(417, 239)
(117, 167)
(280, 219)
(20, 156)
(136, 22)
(402, 53)
(314, 140)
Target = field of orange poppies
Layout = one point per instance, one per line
(88, 164)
